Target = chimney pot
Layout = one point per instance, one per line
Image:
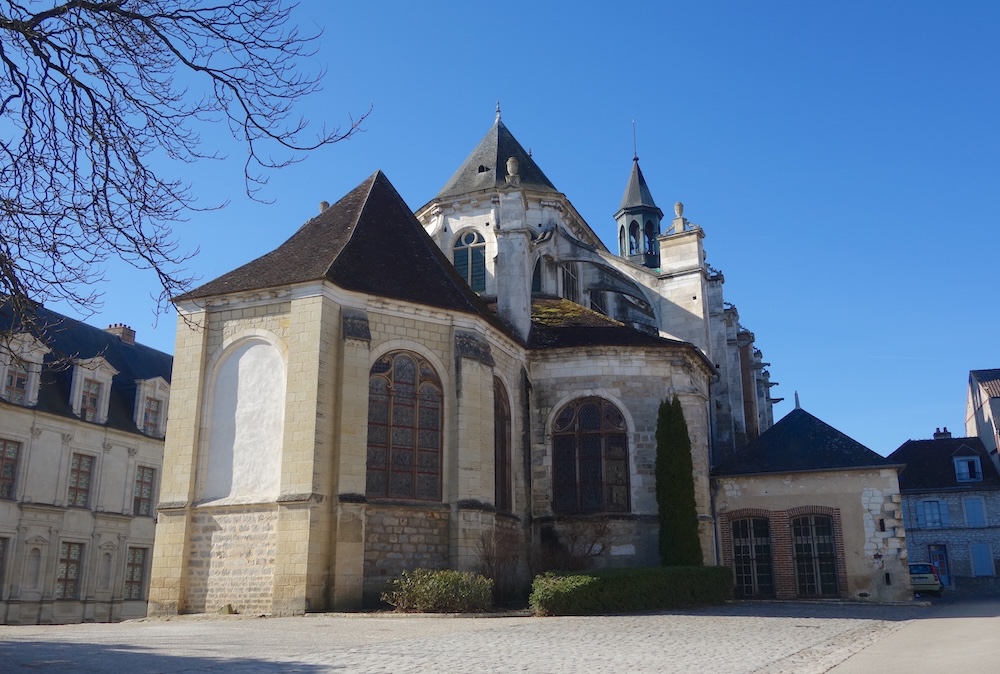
(123, 332)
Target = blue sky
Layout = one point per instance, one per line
(843, 159)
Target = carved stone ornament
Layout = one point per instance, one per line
(36, 432)
(107, 447)
(67, 438)
(356, 325)
(132, 451)
(473, 346)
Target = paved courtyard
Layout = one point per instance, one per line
(761, 637)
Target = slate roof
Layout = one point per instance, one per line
(69, 338)
(486, 167)
(800, 442)
(637, 194)
(989, 380)
(369, 242)
(929, 465)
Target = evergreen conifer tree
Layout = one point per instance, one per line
(679, 543)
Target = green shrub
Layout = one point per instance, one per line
(439, 591)
(628, 590)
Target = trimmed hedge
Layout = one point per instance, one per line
(629, 590)
(439, 591)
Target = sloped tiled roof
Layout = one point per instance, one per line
(486, 167)
(800, 442)
(369, 242)
(637, 194)
(68, 338)
(929, 464)
(989, 380)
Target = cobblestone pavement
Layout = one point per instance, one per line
(743, 638)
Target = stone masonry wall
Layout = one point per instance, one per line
(957, 537)
(402, 538)
(232, 560)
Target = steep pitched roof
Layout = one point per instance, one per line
(929, 465)
(370, 242)
(800, 442)
(486, 167)
(637, 194)
(69, 338)
(989, 380)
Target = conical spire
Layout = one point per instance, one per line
(637, 194)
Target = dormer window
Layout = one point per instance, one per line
(90, 392)
(151, 397)
(90, 403)
(16, 386)
(968, 469)
(20, 369)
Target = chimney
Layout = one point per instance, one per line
(942, 435)
(123, 332)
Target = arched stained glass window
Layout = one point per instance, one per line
(470, 259)
(590, 458)
(501, 437)
(405, 415)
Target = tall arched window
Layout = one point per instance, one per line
(815, 551)
(622, 242)
(571, 283)
(501, 443)
(404, 428)
(752, 568)
(650, 236)
(536, 277)
(633, 238)
(590, 458)
(470, 259)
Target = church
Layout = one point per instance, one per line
(391, 389)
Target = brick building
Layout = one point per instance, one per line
(804, 511)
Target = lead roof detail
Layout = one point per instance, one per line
(637, 194)
(486, 167)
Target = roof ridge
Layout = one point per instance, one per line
(371, 180)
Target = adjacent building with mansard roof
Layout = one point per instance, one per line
(389, 390)
(82, 420)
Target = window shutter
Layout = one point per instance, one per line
(982, 561)
(974, 515)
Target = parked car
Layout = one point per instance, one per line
(924, 579)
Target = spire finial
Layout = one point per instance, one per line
(797, 406)
(635, 150)
(498, 110)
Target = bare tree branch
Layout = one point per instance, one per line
(91, 92)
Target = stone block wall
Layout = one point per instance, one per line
(231, 560)
(956, 537)
(402, 538)
(636, 381)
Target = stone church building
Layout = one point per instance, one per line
(389, 390)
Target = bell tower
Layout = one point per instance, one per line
(638, 220)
